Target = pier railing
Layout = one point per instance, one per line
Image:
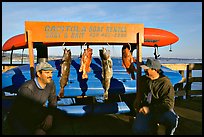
(7, 66)
(180, 88)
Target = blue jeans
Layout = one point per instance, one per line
(147, 124)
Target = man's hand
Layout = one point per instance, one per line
(144, 110)
(47, 123)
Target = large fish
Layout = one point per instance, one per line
(65, 71)
(128, 61)
(86, 62)
(107, 70)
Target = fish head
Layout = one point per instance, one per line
(104, 53)
(67, 54)
(126, 52)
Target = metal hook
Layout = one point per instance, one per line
(63, 45)
(129, 46)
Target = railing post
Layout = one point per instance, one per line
(188, 83)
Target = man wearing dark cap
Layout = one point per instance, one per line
(29, 113)
(154, 102)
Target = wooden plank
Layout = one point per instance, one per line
(195, 92)
(192, 66)
(195, 79)
(176, 66)
(195, 66)
(188, 113)
(17, 64)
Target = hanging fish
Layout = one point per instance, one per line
(65, 71)
(86, 62)
(128, 61)
(107, 70)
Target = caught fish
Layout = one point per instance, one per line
(107, 70)
(128, 61)
(65, 71)
(86, 62)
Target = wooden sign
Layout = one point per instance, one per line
(84, 32)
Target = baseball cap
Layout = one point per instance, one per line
(151, 63)
(44, 66)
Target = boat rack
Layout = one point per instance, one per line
(92, 34)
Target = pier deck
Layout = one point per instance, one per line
(189, 111)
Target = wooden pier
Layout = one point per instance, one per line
(185, 90)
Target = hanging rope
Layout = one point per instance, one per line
(110, 49)
(63, 45)
(129, 46)
(84, 44)
(81, 52)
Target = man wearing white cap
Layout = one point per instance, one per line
(29, 114)
(154, 102)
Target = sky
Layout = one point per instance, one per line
(184, 19)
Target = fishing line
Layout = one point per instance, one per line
(110, 49)
(129, 46)
(63, 45)
(82, 49)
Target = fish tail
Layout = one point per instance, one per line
(61, 94)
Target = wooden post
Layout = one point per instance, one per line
(22, 57)
(11, 57)
(139, 59)
(31, 55)
(188, 83)
(181, 84)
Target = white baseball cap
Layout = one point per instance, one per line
(151, 63)
(44, 66)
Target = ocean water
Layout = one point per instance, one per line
(195, 73)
